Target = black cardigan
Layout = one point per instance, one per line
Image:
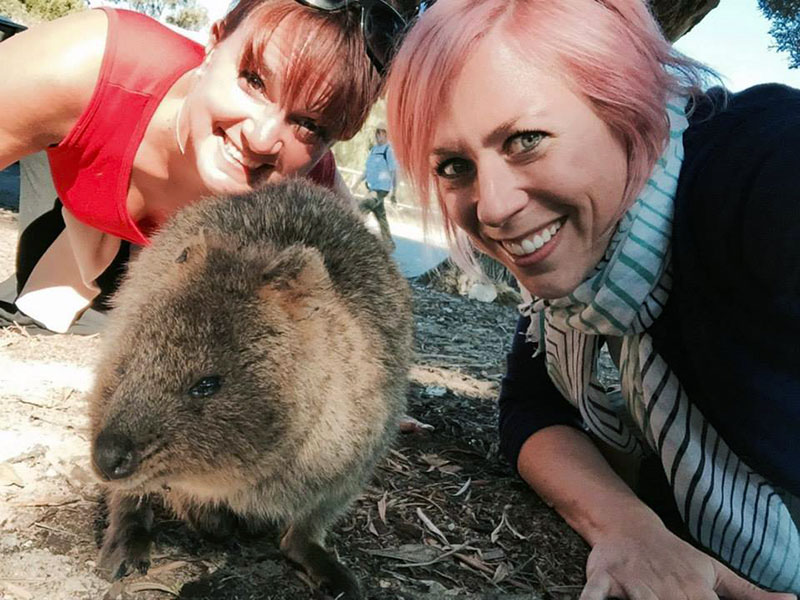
(731, 327)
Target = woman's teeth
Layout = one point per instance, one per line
(233, 154)
(533, 242)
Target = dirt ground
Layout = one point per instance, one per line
(444, 516)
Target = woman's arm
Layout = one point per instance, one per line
(340, 187)
(634, 556)
(49, 75)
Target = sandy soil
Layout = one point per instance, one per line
(444, 516)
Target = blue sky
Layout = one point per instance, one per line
(733, 39)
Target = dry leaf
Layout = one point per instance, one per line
(474, 562)
(500, 573)
(433, 528)
(8, 476)
(410, 553)
(398, 454)
(493, 554)
(17, 592)
(382, 508)
(166, 568)
(510, 526)
(434, 460)
(372, 529)
(496, 532)
(147, 586)
(450, 469)
(464, 488)
(371, 525)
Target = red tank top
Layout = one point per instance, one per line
(91, 167)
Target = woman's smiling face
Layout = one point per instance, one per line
(527, 169)
(240, 130)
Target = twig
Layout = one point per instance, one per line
(56, 530)
(37, 405)
(439, 558)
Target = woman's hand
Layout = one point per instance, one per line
(634, 556)
(645, 561)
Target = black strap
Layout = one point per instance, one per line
(40, 234)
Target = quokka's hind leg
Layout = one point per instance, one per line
(126, 545)
(305, 548)
(217, 523)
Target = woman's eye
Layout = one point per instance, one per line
(523, 142)
(309, 129)
(253, 80)
(453, 168)
(309, 124)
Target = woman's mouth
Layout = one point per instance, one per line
(235, 156)
(534, 243)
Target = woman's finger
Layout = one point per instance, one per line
(732, 587)
(638, 590)
(601, 587)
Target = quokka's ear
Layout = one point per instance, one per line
(195, 249)
(298, 271)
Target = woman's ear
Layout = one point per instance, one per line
(214, 36)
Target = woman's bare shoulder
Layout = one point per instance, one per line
(49, 75)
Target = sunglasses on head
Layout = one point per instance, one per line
(381, 25)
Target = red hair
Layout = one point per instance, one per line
(611, 52)
(328, 70)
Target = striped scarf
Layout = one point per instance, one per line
(728, 508)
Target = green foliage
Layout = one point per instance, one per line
(153, 8)
(14, 10)
(785, 29)
(48, 10)
(192, 17)
(30, 12)
(183, 13)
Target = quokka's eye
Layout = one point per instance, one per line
(206, 387)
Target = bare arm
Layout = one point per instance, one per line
(358, 181)
(340, 187)
(49, 75)
(633, 554)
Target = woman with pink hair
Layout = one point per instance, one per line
(569, 141)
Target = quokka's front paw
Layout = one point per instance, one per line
(124, 552)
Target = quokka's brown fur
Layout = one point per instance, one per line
(254, 370)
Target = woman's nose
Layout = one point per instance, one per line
(499, 194)
(264, 132)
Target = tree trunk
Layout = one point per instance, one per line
(677, 17)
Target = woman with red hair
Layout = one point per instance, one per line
(569, 141)
(138, 121)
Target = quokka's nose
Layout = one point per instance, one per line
(114, 455)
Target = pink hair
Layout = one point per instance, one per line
(610, 51)
(328, 71)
